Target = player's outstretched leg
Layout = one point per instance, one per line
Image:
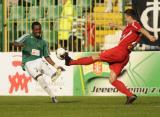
(80, 61)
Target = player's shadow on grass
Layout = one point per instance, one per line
(72, 101)
(66, 102)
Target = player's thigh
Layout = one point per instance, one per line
(46, 69)
(117, 67)
(113, 55)
(108, 55)
(31, 68)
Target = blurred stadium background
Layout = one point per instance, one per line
(79, 25)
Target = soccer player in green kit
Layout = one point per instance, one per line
(33, 49)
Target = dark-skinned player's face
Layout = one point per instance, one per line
(37, 32)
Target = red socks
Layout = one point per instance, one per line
(122, 88)
(82, 61)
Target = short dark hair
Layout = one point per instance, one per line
(130, 12)
(35, 23)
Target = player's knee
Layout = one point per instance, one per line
(111, 80)
(36, 78)
(113, 77)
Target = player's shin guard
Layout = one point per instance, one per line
(45, 85)
(82, 61)
(122, 88)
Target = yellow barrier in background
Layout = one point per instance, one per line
(78, 25)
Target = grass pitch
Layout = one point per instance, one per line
(78, 107)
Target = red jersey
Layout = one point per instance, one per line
(130, 34)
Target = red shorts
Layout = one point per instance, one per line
(117, 58)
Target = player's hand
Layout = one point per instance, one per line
(60, 68)
(152, 38)
(17, 44)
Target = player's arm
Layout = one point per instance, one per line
(51, 62)
(112, 25)
(20, 40)
(147, 34)
(46, 54)
(17, 44)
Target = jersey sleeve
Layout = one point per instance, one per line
(22, 38)
(46, 50)
(136, 26)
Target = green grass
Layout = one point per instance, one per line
(78, 107)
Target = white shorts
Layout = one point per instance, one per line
(37, 67)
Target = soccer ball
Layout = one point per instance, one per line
(60, 53)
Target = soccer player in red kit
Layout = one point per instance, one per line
(118, 56)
